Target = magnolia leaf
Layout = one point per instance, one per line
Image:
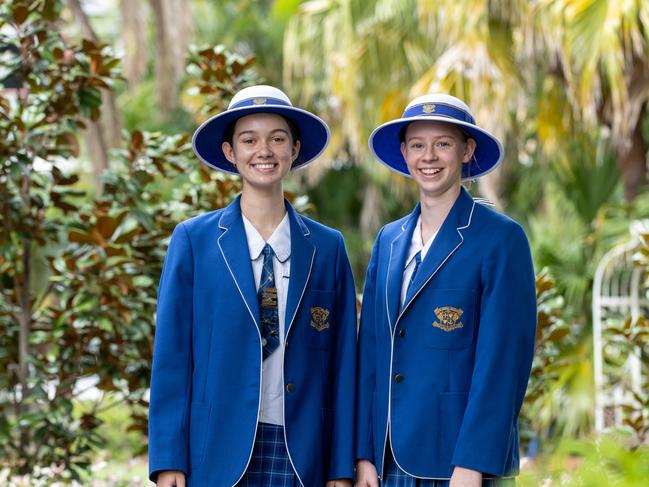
(112, 251)
(137, 141)
(128, 236)
(81, 237)
(20, 14)
(106, 225)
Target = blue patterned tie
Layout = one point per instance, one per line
(267, 296)
(412, 277)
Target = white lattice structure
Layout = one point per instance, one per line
(618, 293)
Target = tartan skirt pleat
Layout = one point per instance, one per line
(395, 477)
(269, 465)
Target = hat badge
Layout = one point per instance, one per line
(428, 108)
(259, 101)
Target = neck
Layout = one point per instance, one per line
(434, 210)
(264, 209)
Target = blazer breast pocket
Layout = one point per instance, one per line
(449, 318)
(319, 318)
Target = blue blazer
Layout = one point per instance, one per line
(448, 372)
(206, 377)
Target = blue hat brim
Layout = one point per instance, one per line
(208, 138)
(384, 143)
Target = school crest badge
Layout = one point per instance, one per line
(319, 318)
(259, 101)
(449, 318)
(428, 108)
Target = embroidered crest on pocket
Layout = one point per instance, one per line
(319, 318)
(448, 317)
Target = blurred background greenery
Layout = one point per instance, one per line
(99, 99)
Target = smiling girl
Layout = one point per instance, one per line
(253, 379)
(449, 314)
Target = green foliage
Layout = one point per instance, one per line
(559, 395)
(39, 125)
(217, 74)
(586, 175)
(598, 462)
(631, 336)
(249, 27)
(93, 316)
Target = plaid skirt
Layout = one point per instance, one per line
(395, 477)
(269, 465)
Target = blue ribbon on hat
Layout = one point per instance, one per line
(262, 100)
(438, 109)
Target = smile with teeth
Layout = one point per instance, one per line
(264, 165)
(430, 171)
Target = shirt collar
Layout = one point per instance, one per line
(416, 245)
(280, 240)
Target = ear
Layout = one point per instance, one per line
(295, 151)
(469, 149)
(228, 151)
(403, 150)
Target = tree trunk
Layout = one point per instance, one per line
(134, 40)
(22, 285)
(626, 127)
(82, 19)
(106, 132)
(25, 321)
(632, 161)
(98, 149)
(370, 218)
(172, 21)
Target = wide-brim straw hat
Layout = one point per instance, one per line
(209, 137)
(385, 141)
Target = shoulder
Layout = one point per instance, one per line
(496, 231)
(199, 228)
(392, 229)
(487, 218)
(319, 231)
(204, 219)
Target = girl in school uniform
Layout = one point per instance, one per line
(253, 380)
(448, 317)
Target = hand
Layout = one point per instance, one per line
(171, 478)
(366, 475)
(339, 483)
(464, 477)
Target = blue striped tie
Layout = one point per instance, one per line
(409, 290)
(267, 296)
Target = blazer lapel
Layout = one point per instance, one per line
(302, 257)
(233, 245)
(447, 241)
(398, 252)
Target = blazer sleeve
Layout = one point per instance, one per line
(341, 463)
(367, 362)
(172, 360)
(504, 352)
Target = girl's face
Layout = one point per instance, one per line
(434, 152)
(262, 149)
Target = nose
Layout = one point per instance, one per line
(429, 153)
(264, 149)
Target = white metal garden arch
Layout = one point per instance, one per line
(619, 292)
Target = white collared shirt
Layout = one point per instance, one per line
(416, 245)
(272, 389)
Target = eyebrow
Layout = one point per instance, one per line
(437, 137)
(254, 132)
